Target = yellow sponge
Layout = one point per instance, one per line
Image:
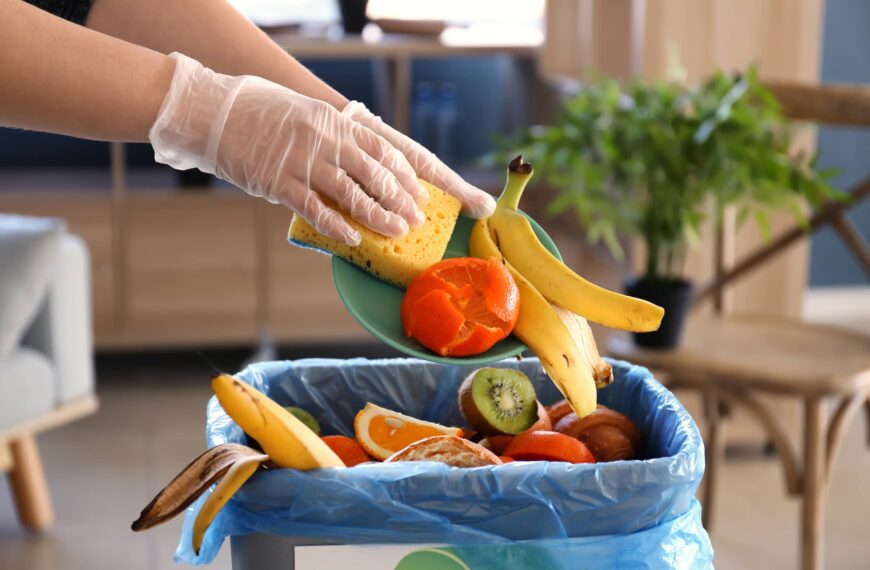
(396, 261)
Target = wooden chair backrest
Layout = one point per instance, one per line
(843, 105)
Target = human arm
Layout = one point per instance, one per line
(216, 34)
(268, 140)
(213, 32)
(62, 78)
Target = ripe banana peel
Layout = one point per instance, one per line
(541, 329)
(240, 472)
(554, 301)
(288, 442)
(192, 482)
(230, 464)
(579, 329)
(517, 241)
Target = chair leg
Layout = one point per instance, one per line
(29, 488)
(867, 410)
(813, 504)
(5, 457)
(714, 454)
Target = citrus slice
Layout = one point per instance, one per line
(383, 432)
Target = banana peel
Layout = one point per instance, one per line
(240, 472)
(229, 464)
(555, 302)
(517, 241)
(286, 440)
(542, 330)
(581, 332)
(192, 482)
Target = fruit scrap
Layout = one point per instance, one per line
(541, 329)
(461, 306)
(240, 472)
(305, 417)
(548, 446)
(382, 432)
(192, 482)
(609, 435)
(287, 441)
(554, 301)
(558, 411)
(449, 449)
(497, 443)
(556, 281)
(229, 464)
(602, 372)
(543, 422)
(496, 401)
(347, 448)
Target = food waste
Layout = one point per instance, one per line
(506, 421)
(456, 307)
(456, 311)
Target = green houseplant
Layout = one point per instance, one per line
(649, 161)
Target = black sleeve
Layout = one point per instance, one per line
(72, 10)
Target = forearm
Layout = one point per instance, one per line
(213, 32)
(62, 78)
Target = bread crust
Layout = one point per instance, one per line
(449, 449)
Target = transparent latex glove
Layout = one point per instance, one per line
(475, 202)
(279, 145)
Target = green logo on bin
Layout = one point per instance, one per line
(432, 559)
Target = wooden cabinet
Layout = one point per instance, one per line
(89, 215)
(303, 303)
(189, 269)
(204, 267)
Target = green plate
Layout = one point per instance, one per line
(375, 304)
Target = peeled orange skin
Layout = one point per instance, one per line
(382, 432)
(435, 321)
(461, 306)
(548, 446)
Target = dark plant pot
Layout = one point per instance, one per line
(353, 15)
(674, 296)
(193, 178)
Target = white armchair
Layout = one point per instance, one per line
(46, 367)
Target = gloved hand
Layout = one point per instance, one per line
(277, 144)
(475, 202)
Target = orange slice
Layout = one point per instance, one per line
(383, 432)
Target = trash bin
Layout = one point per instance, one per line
(639, 513)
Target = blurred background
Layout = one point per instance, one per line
(183, 272)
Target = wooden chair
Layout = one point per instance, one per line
(47, 378)
(731, 360)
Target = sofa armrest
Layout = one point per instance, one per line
(62, 329)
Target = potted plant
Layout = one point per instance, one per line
(650, 161)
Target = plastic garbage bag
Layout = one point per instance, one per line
(639, 513)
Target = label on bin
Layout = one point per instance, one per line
(378, 557)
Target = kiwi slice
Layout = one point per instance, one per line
(305, 418)
(498, 401)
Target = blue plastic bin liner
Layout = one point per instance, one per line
(626, 511)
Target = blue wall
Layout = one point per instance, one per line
(478, 82)
(845, 58)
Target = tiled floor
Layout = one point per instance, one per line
(104, 469)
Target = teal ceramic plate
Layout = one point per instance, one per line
(375, 304)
